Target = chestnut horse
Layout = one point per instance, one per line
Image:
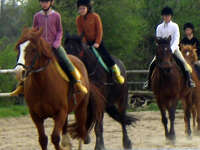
(190, 55)
(169, 86)
(49, 95)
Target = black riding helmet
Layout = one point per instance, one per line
(47, 1)
(166, 11)
(86, 3)
(188, 25)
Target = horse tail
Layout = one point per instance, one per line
(122, 118)
(95, 107)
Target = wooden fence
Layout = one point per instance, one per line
(138, 92)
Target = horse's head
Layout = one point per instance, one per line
(164, 53)
(74, 45)
(31, 48)
(189, 53)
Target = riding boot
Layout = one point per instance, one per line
(117, 73)
(18, 90)
(69, 68)
(187, 69)
(147, 84)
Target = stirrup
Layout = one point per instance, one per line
(120, 79)
(146, 85)
(18, 90)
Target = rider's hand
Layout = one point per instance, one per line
(96, 45)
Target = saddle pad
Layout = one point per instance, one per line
(61, 72)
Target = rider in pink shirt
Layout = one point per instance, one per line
(52, 26)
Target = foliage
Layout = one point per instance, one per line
(129, 27)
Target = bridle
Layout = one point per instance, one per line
(29, 69)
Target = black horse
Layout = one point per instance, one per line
(116, 95)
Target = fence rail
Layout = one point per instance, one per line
(135, 92)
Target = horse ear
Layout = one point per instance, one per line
(169, 39)
(157, 39)
(181, 45)
(39, 32)
(194, 45)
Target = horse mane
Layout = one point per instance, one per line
(190, 48)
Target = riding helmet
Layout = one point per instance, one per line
(45, 0)
(188, 25)
(83, 2)
(167, 11)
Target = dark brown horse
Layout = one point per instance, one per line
(116, 95)
(169, 86)
(189, 53)
(49, 95)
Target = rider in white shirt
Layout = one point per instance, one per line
(164, 30)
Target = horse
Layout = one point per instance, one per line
(190, 55)
(50, 95)
(116, 95)
(169, 86)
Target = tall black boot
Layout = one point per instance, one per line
(147, 84)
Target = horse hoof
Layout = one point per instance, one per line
(171, 139)
(100, 148)
(127, 145)
(87, 140)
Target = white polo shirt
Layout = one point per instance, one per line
(164, 30)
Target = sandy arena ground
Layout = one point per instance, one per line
(21, 134)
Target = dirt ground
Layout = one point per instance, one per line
(21, 134)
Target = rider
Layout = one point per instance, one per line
(189, 39)
(166, 29)
(90, 26)
(50, 21)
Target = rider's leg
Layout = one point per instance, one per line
(147, 84)
(187, 68)
(110, 63)
(69, 68)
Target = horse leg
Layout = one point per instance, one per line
(198, 117)
(59, 121)
(99, 135)
(164, 119)
(172, 111)
(194, 116)
(187, 115)
(39, 122)
(126, 141)
(66, 143)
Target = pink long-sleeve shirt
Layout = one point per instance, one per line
(52, 27)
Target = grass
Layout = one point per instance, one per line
(13, 111)
(9, 109)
